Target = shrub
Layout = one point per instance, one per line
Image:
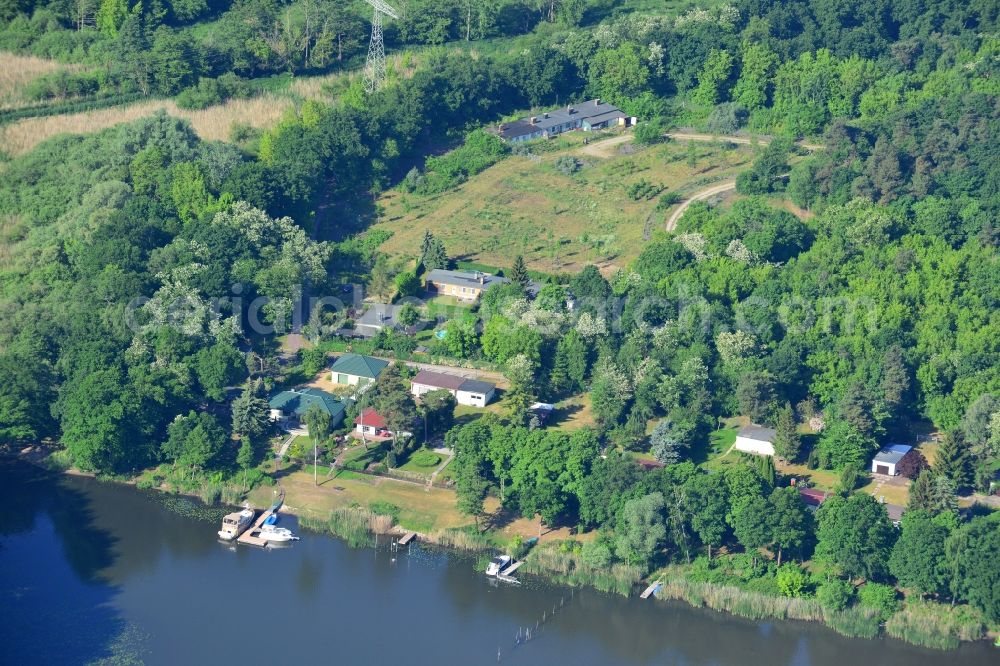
(384, 508)
(643, 189)
(425, 459)
(835, 594)
(791, 580)
(880, 598)
(567, 165)
(650, 132)
(726, 118)
(209, 92)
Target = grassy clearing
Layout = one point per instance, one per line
(421, 510)
(17, 71)
(212, 124)
(529, 205)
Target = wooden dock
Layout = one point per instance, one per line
(512, 568)
(252, 536)
(407, 538)
(651, 590)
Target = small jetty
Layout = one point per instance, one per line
(252, 536)
(651, 590)
(514, 566)
(407, 538)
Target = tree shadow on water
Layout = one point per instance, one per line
(59, 606)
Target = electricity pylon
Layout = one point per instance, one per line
(375, 67)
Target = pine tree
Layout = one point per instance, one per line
(787, 443)
(953, 460)
(519, 273)
(943, 495)
(767, 470)
(921, 492)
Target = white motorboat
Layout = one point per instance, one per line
(235, 524)
(497, 564)
(276, 534)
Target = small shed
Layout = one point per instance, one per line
(887, 460)
(756, 439)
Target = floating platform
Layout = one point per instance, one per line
(651, 590)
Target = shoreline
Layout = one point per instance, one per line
(730, 599)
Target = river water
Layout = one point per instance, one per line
(93, 572)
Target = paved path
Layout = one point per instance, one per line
(430, 481)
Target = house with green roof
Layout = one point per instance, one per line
(356, 369)
(289, 407)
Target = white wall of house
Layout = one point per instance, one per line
(277, 415)
(756, 446)
(351, 380)
(420, 389)
(473, 399)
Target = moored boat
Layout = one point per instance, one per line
(497, 564)
(235, 524)
(276, 534)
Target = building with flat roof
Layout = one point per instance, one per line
(591, 115)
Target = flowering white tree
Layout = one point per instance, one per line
(591, 326)
(735, 347)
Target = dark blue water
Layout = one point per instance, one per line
(94, 572)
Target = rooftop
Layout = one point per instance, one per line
(760, 433)
(452, 382)
(594, 111)
(359, 365)
(892, 453)
(370, 417)
(379, 315)
(438, 379)
(464, 278)
(298, 401)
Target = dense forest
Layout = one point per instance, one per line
(875, 311)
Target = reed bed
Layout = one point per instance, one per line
(460, 539)
(935, 625)
(752, 605)
(354, 524)
(567, 569)
(212, 124)
(16, 71)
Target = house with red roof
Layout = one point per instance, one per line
(370, 423)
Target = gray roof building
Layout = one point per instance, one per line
(759, 433)
(475, 279)
(892, 454)
(593, 114)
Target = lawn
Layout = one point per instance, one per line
(573, 413)
(525, 205)
(422, 461)
(421, 510)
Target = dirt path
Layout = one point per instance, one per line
(698, 196)
(603, 149)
